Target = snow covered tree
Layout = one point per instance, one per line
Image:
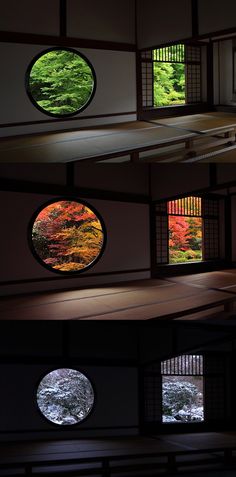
(65, 396)
(179, 400)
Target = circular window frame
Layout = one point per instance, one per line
(28, 89)
(65, 427)
(40, 260)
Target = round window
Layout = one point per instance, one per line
(67, 236)
(60, 82)
(65, 396)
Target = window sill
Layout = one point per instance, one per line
(177, 110)
(170, 269)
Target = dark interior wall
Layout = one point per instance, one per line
(122, 253)
(123, 219)
(223, 68)
(31, 17)
(233, 386)
(88, 20)
(233, 214)
(165, 340)
(101, 27)
(165, 22)
(115, 93)
(170, 180)
(225, 173)
(124, 178)
(108, 357)
(215, 16)
(101, 21)
(161, 22)
(109, 342)
(158, 22)
(124, 191)
(115, 409)
(175, 179)
(132, 179)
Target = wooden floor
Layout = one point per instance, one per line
(182, 297)
(192, 135)
(223, 280)
(118, 456)
(213, 122)
(90, 143)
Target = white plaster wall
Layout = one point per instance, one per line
(115, 92)
(127, 247)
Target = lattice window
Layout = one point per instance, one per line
(147, 84)
(211, 229)
(205, 210)
(187, 55)
(193, 84)
(161, 239)
(211, 239)
(182, 389)
(193, 53)
(187, 206)
(210, 207)
(206, 372)
(186, 364)
(152, 385)
(152, 394)
(170, 54)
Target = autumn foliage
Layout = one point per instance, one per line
(185, 238)
(67, 236)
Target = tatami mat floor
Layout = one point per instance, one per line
(171, 298)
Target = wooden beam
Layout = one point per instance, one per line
(17, 185)
(50, 40)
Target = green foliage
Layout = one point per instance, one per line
(180, 256)
(169, 83)
(61, 82)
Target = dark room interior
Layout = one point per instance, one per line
(118, 238)
(129, 429)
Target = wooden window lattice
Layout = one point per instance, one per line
(186, 364)
(191, 206)
(190, 55)
(187, 206)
